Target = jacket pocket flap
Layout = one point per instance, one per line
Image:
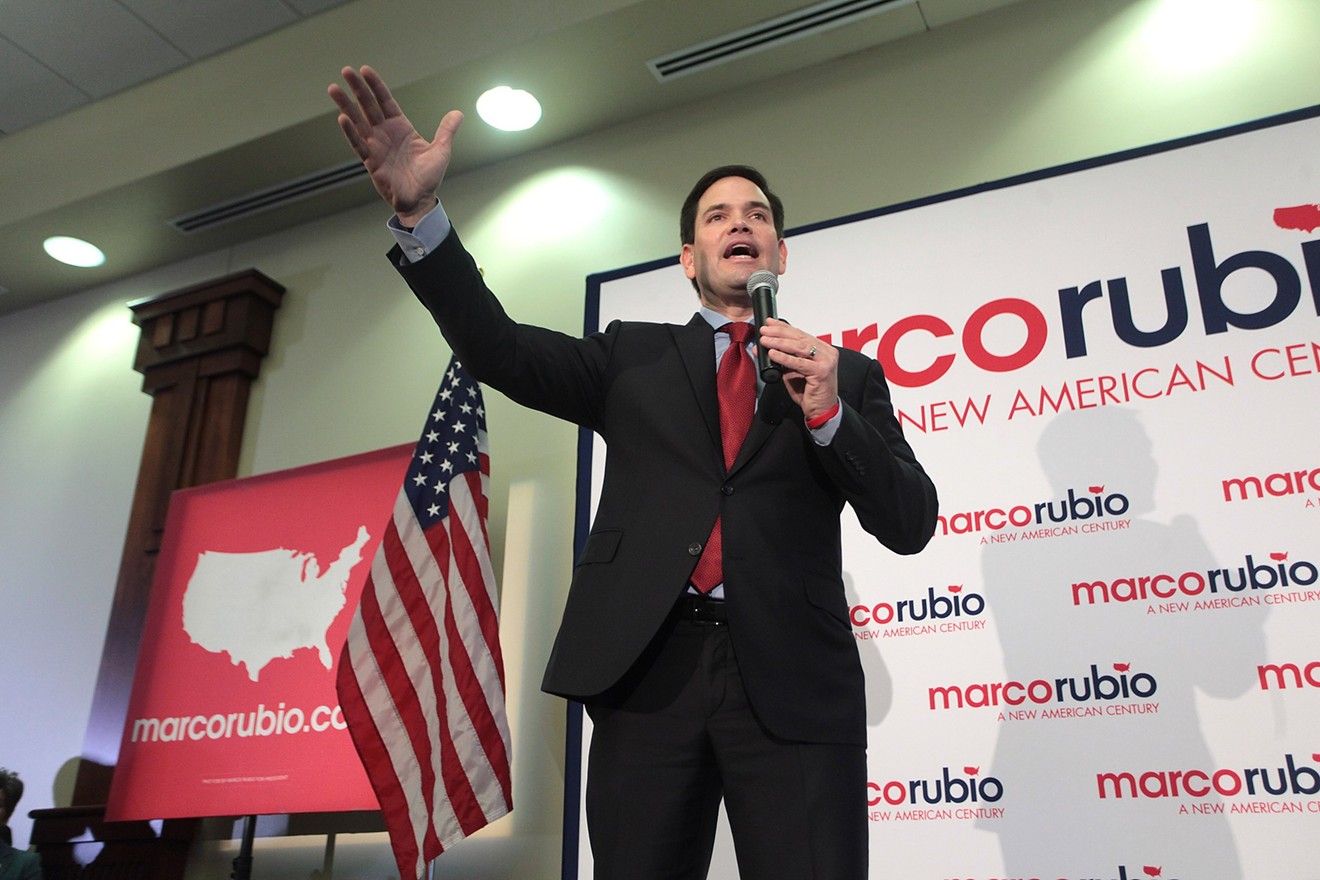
(601, 546)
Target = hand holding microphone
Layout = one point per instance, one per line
(813, 380)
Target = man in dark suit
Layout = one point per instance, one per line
(15, 864)
(706, 628)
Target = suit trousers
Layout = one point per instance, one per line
(675, 736)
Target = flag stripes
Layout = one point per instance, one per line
(421, 677)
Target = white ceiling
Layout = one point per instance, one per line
(120, 115)
(58, 55)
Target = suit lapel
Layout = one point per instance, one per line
(773, 405)
(696, 347)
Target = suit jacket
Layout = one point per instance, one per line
(17, 864)
(649, 391)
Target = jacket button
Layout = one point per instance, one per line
(726, 489)
(694, 549)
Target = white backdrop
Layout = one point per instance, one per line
(1105, 664)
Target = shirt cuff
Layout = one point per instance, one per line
(823, 431)
(425, 236)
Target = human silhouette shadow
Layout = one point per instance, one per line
(1056, 820)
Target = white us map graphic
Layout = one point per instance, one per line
(262, 606)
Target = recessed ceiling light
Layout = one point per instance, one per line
(1191, 36)
(509, 109)
(74, 251)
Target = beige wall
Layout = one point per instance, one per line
(356, 360)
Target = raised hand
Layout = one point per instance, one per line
(405, 167)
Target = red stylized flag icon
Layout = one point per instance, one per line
(1279, 557)
(955, 588)
(971, 771)
(1096, 490)
(1302, 217)
(1122, 667)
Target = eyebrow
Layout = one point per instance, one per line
(724, 206)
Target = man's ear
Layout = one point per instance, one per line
(685, 258)
(783, 256)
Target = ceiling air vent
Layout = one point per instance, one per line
(804, 22)
(271, 197)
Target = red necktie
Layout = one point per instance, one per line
(736, 384)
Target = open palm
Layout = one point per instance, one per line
(405, 167)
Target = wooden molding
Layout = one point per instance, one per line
(199, 351)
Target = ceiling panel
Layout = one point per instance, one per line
(32, 92)
(58, 56)
(204, 27)
(98, 46)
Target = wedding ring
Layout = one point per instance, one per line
(812, 353)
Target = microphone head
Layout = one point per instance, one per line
(763, 278)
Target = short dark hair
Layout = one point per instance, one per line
(12, 788)
(687, 216)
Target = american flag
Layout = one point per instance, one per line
(421, 677)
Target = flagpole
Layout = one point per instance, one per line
(243, 863)
(328, 860)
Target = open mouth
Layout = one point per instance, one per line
(741, 249)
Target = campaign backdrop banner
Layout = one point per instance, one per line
(233, 709)
(1105, 664)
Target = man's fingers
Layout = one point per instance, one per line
(352, 107)
(348, 108)
(349, 128)
(382, 97)
(790, 341)
(370, 112)
(448, 126)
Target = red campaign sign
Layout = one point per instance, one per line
(233, 710)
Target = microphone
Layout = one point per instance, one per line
(762, 287)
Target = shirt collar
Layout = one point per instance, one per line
(715, 319)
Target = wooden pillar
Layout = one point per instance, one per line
(199, 351)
